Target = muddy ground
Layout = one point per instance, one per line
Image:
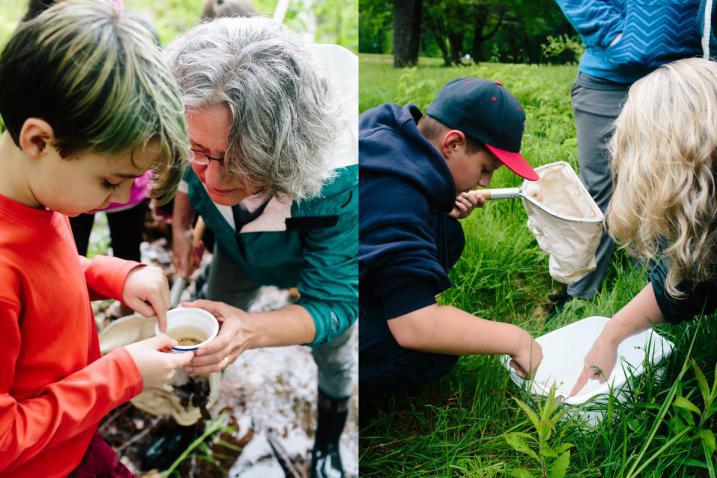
(267, 395)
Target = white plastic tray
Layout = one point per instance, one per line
(564, 350)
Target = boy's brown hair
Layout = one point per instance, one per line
(94, 72)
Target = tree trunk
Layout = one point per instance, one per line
(406, 32)
(445, 51)
(455, 40)
(481, 19)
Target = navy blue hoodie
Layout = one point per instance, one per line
(406, 191)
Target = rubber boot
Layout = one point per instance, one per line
(325, 456)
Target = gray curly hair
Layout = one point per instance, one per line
(283, 113)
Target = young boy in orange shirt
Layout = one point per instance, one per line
(88, 105)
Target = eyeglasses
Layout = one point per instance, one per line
(201, 158)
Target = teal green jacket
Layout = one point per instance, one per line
(316, 253)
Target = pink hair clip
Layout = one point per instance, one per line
(118, 5)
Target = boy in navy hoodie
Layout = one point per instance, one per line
(413, 171)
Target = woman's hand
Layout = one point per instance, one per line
(232, 341)
(146, 291)
(599, 363)
(185, 255)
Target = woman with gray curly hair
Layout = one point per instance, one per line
(274, 176)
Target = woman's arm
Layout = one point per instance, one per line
(641, 313)
(241, 331)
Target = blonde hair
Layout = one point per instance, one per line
(95, 74)
(664, 204)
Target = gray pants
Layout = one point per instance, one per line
(336, 360)
(596, 104)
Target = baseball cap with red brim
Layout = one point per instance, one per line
(488, 113)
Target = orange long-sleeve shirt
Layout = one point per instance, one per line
(54, 387)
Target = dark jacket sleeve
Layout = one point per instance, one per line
(697, 300)
(398, 254)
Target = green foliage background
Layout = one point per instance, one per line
(463, 425)
(337, 21)
(526, 25)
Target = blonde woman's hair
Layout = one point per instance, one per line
(94, 72)
(664, 204)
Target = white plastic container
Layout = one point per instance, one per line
(564, 351)
(193, 317)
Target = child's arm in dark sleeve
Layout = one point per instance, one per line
(701, 299)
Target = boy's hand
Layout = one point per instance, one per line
(526, 360)
(146, 291)
(599, 363)
(157, 367)
(465, 204)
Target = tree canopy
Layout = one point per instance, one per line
(462, 31)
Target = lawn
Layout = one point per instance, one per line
(469, 424)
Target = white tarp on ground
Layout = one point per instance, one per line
(565, 220)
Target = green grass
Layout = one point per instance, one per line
(456, 427)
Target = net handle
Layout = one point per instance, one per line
(498, 193)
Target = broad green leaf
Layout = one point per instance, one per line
(548, 452)
(520, 473)
(525, 436)
(695, 463)
(684, 403)
(701, 381)
(529, 412)
(559, 416)
(517, 444)
(563, 448)
(559, 467)
(708, 440)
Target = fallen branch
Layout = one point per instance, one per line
(140, 435)
(282, 456)
(118, 411)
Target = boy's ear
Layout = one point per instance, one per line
(36, 136)
(452, 141)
